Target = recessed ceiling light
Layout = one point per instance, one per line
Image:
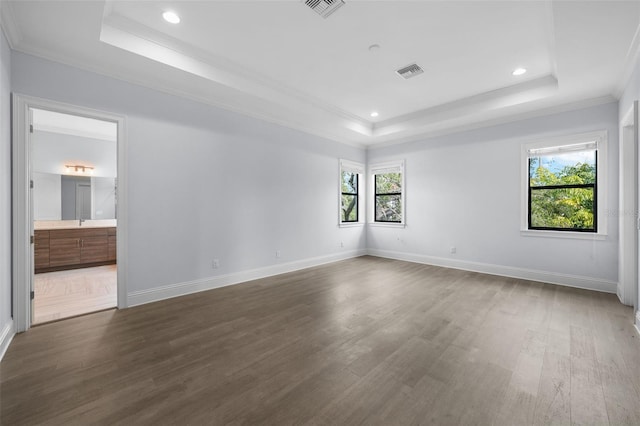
(374, 48)
(171, 17)
(374, 114)
(519, 71)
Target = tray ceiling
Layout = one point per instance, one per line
(282, 62)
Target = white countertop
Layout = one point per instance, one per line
(46, 225)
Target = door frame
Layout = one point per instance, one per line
(628, 210)
(22, 203)
(635, 122)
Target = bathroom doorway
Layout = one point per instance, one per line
(74, 199)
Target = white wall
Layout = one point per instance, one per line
(206, 183)
(52, 151)
(464, 190)
(6, 324)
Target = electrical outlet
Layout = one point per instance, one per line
(453, 250)
(215, 263)
(341, 244)
(278, 254)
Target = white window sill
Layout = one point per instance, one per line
(563, 234)
(350, 224)
(388, 224)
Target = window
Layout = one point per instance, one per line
(350, 177)
(388, 186)
(349, 204)
(563, 184)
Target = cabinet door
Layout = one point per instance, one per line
(94, 249)
(64, 251)
(41, 249)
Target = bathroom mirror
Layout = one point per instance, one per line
(62, 197)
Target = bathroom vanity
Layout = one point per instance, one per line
(70, 244)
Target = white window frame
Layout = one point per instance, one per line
(600, 139)
(359, 168)
(380, 168)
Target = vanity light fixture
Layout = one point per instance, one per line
(171, 17)
(519, 71)
(79, 169)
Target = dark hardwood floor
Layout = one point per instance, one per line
(363, 341)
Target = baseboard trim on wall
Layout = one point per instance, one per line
(184, 288)
(505, 271)
(5, 338)
(637, 324)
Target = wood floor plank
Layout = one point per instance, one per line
(553, 405)
(528, 369)
(517, 408)
(582, 345)
(621, 398)
(588, 405)
(520, 399)
(365, 341)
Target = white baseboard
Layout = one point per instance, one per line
(180, 289)
(184, 288)
(637, 324)
(505, 271)
(6, 335)
(623, 297)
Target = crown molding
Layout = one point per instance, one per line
(8, 23)
(632, 59)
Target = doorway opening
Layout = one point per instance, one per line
(69, 216)
(74, 202)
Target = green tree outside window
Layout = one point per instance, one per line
(388, 197)
(562, 191)
(349, 196)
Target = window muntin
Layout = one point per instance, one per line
(562, 188)
(349, 205)
(388, 197)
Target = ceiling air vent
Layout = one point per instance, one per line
(409, 71)
(324, 8)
